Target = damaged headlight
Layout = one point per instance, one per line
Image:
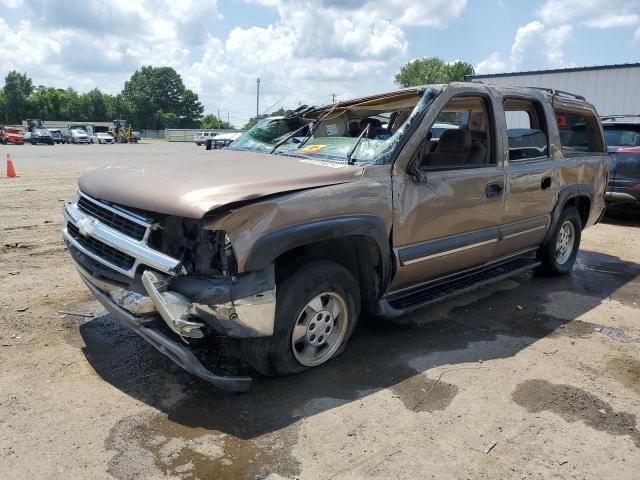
(201, 251)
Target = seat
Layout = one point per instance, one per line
(453, 148)
(478, 152)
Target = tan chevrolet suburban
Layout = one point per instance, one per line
(389, 202)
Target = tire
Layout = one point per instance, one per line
(318, 281)
(559, 254)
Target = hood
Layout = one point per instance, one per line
(199, 182)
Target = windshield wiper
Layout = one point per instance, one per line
(355, 145)
(316, 124)
(288, 137)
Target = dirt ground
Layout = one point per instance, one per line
(528, 378)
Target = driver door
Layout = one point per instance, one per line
(448, 200)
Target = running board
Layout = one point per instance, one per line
(437, 291)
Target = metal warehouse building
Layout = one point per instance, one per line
(613, 89)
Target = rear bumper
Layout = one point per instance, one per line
(180, 354)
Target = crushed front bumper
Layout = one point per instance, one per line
(176, 352)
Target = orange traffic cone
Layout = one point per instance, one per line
(11, 171)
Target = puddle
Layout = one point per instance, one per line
(152, 443)
(627, 371)
(421, 394)
(573, 405)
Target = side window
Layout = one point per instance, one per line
(579, 132)
(460, 137)
(526, 131)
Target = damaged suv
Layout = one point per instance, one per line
(389, 202)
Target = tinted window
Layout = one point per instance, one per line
(579, 132)
(526, 130)
(622, 135)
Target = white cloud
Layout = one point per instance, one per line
(537, 46)
(313, 49)
(492, 64)
(613, 20)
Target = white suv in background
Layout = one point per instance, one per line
(201, 137)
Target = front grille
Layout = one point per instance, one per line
(113, 220)
(104, 251)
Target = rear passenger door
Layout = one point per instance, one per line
(531, 183)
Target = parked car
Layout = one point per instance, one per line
(57, 135)
(622, 133)
(201, 138)
(77, 135)
(102, 137)
(221, 140)
(41, 135)
(281, 243)
(136, 136)
(11, 135)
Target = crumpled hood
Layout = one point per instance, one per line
(193, 184)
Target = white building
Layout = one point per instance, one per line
(613, 89)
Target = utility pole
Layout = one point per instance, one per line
(258, 98)
(219, 121)
(228, 118)
(333, 98)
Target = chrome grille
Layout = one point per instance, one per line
(101, 249)
(112, 219)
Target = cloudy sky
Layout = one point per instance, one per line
(303, 50)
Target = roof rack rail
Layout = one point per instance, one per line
(561, 92)
(620, 115)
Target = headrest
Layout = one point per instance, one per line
(479, 135)
(454, 140)
(374, 122)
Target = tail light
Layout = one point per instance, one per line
(628, 150)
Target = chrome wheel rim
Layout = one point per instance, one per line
(564, 243)
(319, 329)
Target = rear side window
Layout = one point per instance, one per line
(526, 130)
(622, 135)
(579, 132)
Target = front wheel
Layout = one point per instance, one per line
(316, 312)
(559, 254)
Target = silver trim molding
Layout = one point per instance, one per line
(449, 252)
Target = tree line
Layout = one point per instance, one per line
(153, 98)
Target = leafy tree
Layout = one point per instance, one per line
(425, 71)
(211, 122)
(153, 92)
(17, 89)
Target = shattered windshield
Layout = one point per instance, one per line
(369, 129)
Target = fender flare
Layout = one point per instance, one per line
(565, 194)
(269, 247)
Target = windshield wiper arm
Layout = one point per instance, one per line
(355, 145)
(285, 139)
(316, 124)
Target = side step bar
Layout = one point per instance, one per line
(437, 291)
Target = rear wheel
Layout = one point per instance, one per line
(316, 312)
(559, 254)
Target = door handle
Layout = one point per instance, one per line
(494, 189)
(545, 183)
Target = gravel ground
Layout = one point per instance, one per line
(527, 378)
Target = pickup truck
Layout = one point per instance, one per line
(281, 239)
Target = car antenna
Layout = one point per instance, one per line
(316, 124)
(353, 149)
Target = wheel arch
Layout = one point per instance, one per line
(579, 196)
(351, 241)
